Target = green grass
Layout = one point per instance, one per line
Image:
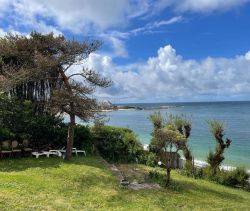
(86, 184)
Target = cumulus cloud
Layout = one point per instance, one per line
(168, 76)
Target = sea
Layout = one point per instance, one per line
(235, 117)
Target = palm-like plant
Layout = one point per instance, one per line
(216, 158)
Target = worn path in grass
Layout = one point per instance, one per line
(85, 183)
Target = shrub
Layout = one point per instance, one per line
(117, 144)
(157, 176)
(151, 159)
(83, 138)
(234, 178)
(19, 120)
(237, 177)
(47, 131)
(193, 171)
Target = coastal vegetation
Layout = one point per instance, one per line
(117, 144)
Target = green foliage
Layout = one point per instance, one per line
(157, 176)
(152, 159)
(169, 136)
(19, 121)
(84, 138)
(237, 177)
(117, 144)
(192, 171)
(47, 131)
(176, 125)
(157, 120)
(216, 158)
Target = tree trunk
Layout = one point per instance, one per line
(168, 168)
(70, 138)
(168, 176)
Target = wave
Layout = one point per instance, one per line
(201, 163)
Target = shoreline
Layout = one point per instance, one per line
(202, 163)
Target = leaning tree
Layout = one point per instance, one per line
(39, 68)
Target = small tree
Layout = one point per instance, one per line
(37, 68)
(216, 158)
(182, 124)
(167, 140)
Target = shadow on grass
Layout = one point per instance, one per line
(22, 164)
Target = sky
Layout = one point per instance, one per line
(153, 50)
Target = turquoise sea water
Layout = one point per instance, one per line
(234, 115)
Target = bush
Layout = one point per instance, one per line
(192, 171)
(83, 138)
(237, 177)
(117, 144)
(19, 120)
(47, 131)
(151, 159)
(234, 178)
(157, 176)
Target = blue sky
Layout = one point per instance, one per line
(153, 50)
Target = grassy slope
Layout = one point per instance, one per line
(86, 184)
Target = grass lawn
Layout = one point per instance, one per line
(85, 183)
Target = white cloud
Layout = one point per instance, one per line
(78, 15)
(95, 16)
(168, 76)
(209, 5)
(247, 56)
(154, 25)
(117, 38)
(204, 6)
(118, 47)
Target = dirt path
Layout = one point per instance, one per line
(135, 185)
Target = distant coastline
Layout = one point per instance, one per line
(108, 107)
